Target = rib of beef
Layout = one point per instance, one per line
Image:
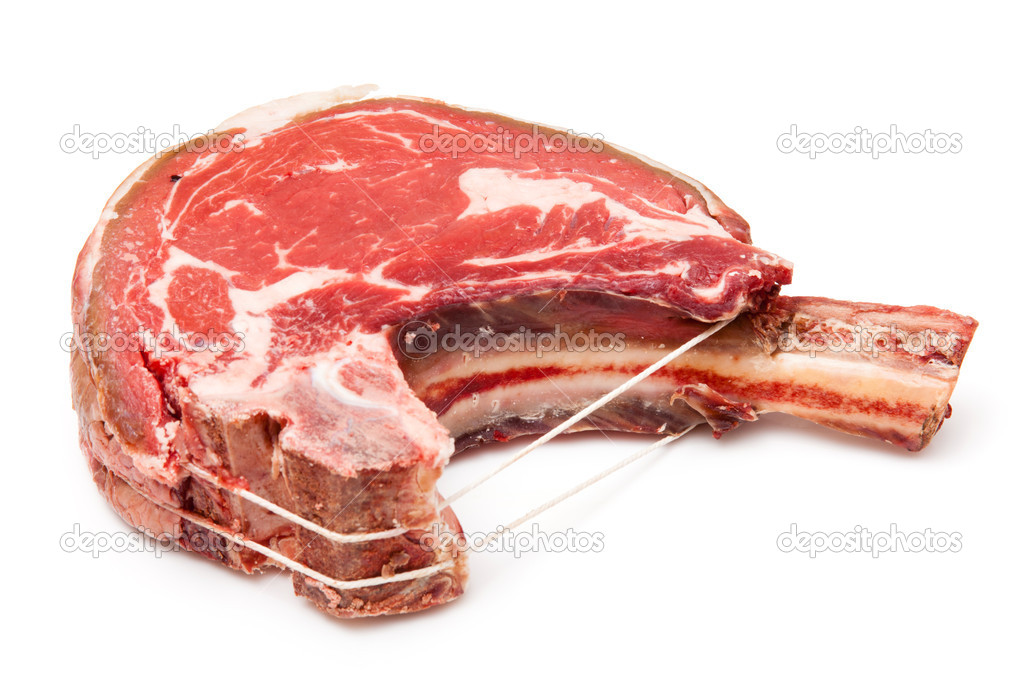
(240, 307)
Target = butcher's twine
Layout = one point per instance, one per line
(344, 538)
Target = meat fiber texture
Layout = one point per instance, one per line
(296, 239)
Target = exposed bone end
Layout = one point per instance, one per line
(893, 367)
(878, 371)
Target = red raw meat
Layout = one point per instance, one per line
(311, 230)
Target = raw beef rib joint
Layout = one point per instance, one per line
(312, 232)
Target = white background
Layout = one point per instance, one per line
(690, 582)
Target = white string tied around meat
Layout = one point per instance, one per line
(588, 410)
(501, 530)
(394, 532)
(334, 536)
(289, 563)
